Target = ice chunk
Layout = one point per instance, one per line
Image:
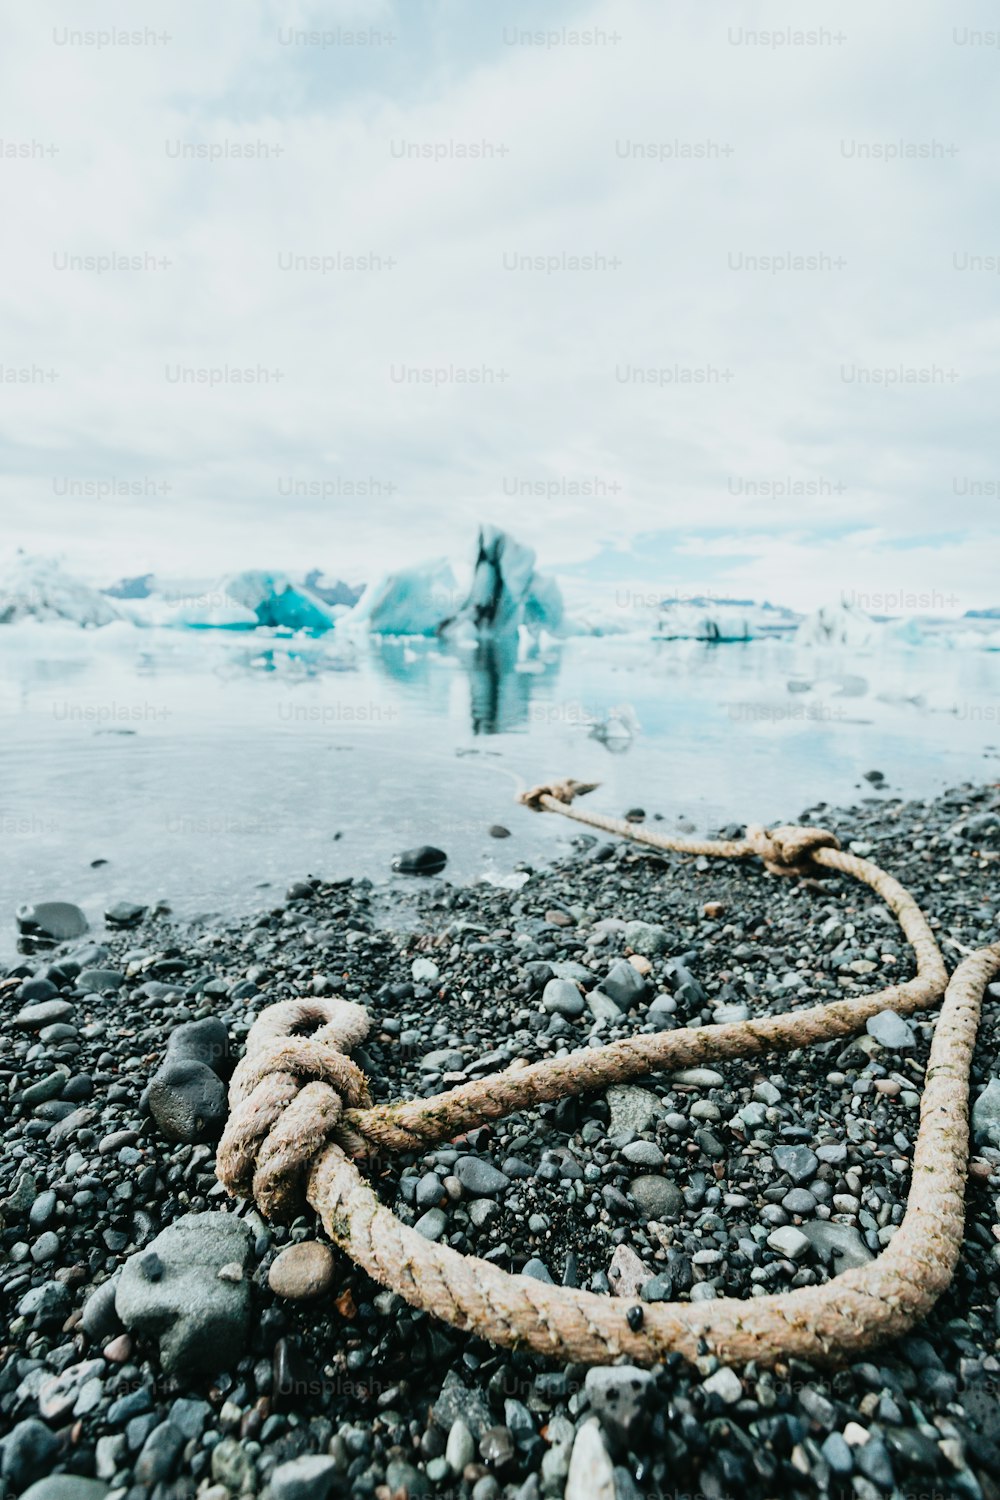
(412, 601)
(277, 602)
(841, 624)
(36, 588)
(506, 591)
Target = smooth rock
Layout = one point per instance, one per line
(986, 1112)
(424, 860)
(657, 1197)
(480, 1178)
(624, 985)
(66, 1487)
(125, 914)
(172, 1291)
(838, 1246)
(647, 938)
(591, 1473)
(626, 1273)
(302, 1271)
(725, 1384)
(562, 997)
(789, 1241)
(57, 920)
(891, 1031)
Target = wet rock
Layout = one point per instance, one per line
(52, 920)
(124, 914)
(798, 1161)
(187, 1095)
(311, 1477)
(480, 1178)
(838, 1246)
(647, 938)
(66, 1487)
(47, 1013)
(424, 860)
(28, 1450)
(986, 1112)
(624, 985)
(173, 1292)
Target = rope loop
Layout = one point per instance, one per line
(560, 791)
(287, 1097)
(789, 850)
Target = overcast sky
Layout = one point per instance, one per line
(649, 156)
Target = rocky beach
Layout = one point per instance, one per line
(163, 1340)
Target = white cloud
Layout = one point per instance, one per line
(686, 452)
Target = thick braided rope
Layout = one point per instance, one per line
(272, 1135)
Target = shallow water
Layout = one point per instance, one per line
(209, 769)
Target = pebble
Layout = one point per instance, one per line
(725, 1384)
(789, 1241)
(591, 1473)
(480, 1178)
(657, 1197)
(632, 1109)
(302, 1271)
(986, 1112)
(424, 860)
(562, 997)
(312, 1477)
(799, 1162)
(891, 1030)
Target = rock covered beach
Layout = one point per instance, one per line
(164, 1341)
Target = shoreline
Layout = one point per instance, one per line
(582, 1180)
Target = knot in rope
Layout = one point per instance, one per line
(789, 850)
(286, 1099)
(561, 791)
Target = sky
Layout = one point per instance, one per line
(699, 295)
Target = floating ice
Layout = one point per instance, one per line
(36, 588)
(412, 601)
(840, 624)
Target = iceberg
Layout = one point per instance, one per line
(839, 624)
(505, 595)
(36, 588)
(276, 602)
(506, 592)
(411, 601)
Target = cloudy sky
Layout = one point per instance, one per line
(702, 295)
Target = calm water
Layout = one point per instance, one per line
(210, 769)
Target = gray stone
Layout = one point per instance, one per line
(798, 1161)
(657, 1197)
(562, 997)
(57, 920)
(28, 1450)
(233, 1467)
(96, 981)
(480, 1178)
(617, 1394)
(430, 1191)
(603, 1008)
(461, 1448)
(66, 1487)
(125, 914)
(838, 1246)
(624, 985)
(172, 1291)
(159, 1454)
(986, 1112)
(789, 1241)
(647, 938)
(632, 1109)
(699, 1078)
(187, 1095)
(432, 1224)
(643, 1154)
(457, 1402)
(891, 1030)
(99, 1319)
(310, 1477)
(45, 1013)
(190, 1416)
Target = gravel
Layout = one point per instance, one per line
(740, 1178)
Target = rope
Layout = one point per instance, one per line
(290, 1143)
